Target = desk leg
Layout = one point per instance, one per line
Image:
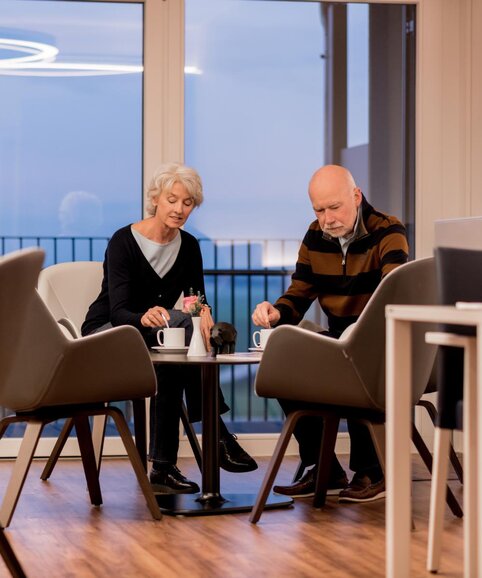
(398, 425)
(478, 433)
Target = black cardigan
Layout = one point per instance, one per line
(131, 286)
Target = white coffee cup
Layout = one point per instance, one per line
(260, 338)
(171, 337)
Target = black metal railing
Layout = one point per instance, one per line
(238, 274)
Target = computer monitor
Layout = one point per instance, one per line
(461, 233)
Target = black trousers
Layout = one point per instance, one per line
(309, 430)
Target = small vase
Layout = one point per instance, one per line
(196, 347)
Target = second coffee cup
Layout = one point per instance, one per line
(171, 337)
(260, 338)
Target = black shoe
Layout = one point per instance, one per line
(232, 457)
(169, 480)
(305, 486)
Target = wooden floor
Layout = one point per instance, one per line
(57, 533)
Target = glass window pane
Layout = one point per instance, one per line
(254, 114)
(71, 138)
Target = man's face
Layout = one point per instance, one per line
(335, 206)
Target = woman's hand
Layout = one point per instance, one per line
(155, 317)
(206, 324)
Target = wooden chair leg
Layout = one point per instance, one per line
(427, 460)
(123, 429)
(328, 441)
(29, 443)
(437, 498)
(140, 429)
(274, 464)
(191, 436)
(99, 424)
(10, 558)
(58, 447)
(8, 420)
(84, 437)
(454, 460)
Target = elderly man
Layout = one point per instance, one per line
(344, 255)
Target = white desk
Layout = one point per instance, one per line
(398, 423)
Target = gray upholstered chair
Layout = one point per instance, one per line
(45, 376)
(344, 377)
(459, 278)
(68, 289)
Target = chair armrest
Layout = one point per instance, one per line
(69, 325)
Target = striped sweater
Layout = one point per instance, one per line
(343, 285)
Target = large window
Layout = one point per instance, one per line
(71, 121)
(274, 90)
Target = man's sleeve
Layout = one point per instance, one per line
(295, 302)
(393, 247)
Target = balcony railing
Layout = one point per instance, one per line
(238, 274)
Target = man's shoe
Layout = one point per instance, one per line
(169, 480)
(232, 457)
(305, 486)
(361, 489)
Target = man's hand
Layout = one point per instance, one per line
(265, 315)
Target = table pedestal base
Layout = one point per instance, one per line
(188, 504)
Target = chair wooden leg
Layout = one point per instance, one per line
(29, 443)
(136, 461)
(437, 497)
(140, 429)
(427, 460)
(191, 436)
(98, 436)
(6, 421)
(84, 437)
(454, 460)
(328, 441)
(9, 557)
(274, 464)
(58, 447)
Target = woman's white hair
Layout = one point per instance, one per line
(166, 176)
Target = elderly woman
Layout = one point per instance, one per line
(147, 266)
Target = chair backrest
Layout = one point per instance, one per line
(68, 289)
(18, 276)
(299, 364)
(410, 284)
(48, 369)
(459, 278)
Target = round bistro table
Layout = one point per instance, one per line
(210, 500)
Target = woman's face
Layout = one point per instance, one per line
(174, 207)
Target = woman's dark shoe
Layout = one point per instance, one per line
(169, 480)
(232, 457)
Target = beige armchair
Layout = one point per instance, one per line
(45, 376)
(68, 289)
(344, 377)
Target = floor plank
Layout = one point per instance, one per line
(57, 533)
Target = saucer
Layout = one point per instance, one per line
(167, 349)
(255, 349)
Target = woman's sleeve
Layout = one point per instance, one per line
(121, 273)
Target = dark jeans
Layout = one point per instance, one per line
(173, 381)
